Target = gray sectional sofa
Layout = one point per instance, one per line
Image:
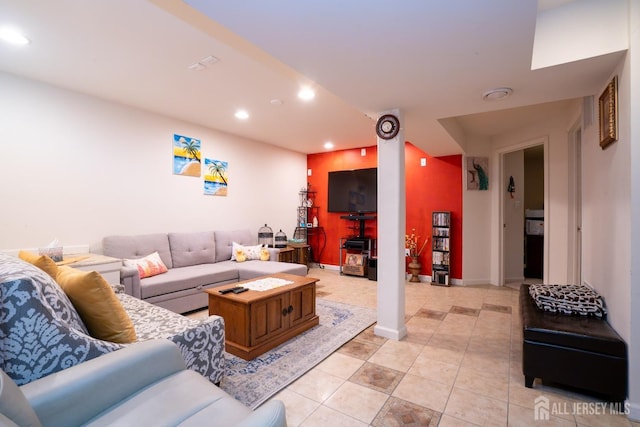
(195, 261)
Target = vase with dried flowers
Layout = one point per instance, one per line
(412, 242)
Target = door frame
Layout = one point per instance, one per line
(574, 256)
(544, 141)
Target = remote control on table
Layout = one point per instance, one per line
(239, 290)
(226, 291)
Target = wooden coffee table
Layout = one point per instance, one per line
(257, 321)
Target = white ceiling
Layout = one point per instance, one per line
(431, 59)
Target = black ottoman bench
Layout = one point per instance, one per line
(576, 351)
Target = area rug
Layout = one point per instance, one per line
(253, 382)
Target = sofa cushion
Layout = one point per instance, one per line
(252, 269)
(173, 400)
(192, 248)
(43, 262)
(579, 332)
(97, 304)
(224, 242)
(181, 278)
(148, 266)
(138, 246)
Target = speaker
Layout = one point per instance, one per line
(373, 268)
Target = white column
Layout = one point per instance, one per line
(391, 231)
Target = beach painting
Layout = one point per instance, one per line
(186, 156)
(477, 173)
(216, 177)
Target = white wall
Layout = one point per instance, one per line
(78, 168)
(557, 211)
(606, 212)
(633, 341)
(476, 222)
(579, 30)
(610, 183)
(555, 131)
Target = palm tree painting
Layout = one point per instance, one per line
(477, 173)
(216, 177)
(186, 156)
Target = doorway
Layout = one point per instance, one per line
(522, 205)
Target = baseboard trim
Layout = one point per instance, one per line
(634, 411)
(471, 282)
(394, 334)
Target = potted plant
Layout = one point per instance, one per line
(412, 242)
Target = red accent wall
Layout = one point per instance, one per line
(437, 186)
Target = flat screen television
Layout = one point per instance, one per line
(353, 191)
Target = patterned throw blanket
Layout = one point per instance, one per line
(568, 299)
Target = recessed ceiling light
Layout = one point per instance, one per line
(196, 67)
(328, 145)
(497, 94)
(203, 63)
(306, 94)
(242, 114)
(13, 36)
(276, 101)
(209, 60)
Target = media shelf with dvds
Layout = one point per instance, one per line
(440, 249)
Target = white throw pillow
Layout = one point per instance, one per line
(252, 252)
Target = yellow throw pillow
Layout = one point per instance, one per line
(264, 254)
(240, 255)
(97, 305)
(43, 262)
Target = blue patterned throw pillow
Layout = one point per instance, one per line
(40, 331)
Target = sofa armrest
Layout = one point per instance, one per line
(271, 414)
(115, 375)
(201, 342)
(130, 279)
(273, 254)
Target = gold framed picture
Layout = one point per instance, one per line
(609, 114)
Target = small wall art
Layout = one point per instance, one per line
(477, 173)
(186, 156)
(216, 178)
(609, 114)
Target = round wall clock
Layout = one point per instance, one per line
(388, 126)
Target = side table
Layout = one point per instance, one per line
(285, 254)
(108, 267)
(300, 253)
(296, 253)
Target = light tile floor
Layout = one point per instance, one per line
(460, 365)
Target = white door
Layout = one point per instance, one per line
(513, 215)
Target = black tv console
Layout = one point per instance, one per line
(356, 244)
(362, 219)
(363, 249)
